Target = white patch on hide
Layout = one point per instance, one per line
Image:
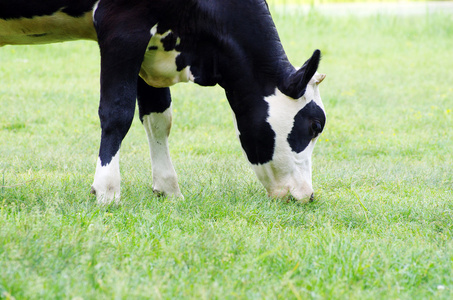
(157, 127)
(107, 181)
(153, 30)
(95, 7)
(58, 27)
(159, 66)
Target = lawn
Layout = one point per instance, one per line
(380, 228)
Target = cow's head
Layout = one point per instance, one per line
(280, 137)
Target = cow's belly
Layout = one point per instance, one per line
(58, 27)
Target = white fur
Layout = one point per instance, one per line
(58, 27)
(107, 181)
(157, 127)
(159, 66)
(95, 7)
(153, 30)
(312, 92)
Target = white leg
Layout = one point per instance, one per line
(107, 181)
(157, 127)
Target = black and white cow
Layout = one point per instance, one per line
(148, 45)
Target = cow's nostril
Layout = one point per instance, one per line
(312, 197)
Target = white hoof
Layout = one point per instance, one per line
(107, 182)
(176, 194)
(167, 187)
(106, 197)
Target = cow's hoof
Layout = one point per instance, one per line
(160, 194)
(106, 198)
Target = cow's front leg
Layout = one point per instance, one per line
(116, 111)
(122, 46)
(155, 114)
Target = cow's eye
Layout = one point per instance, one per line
(315, 128)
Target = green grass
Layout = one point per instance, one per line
(380, 228)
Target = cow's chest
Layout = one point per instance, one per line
(159, 67)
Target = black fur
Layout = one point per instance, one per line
(15, 9)
(308, 124)
(151, 100)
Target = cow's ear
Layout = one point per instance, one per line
(319, 78)
(297, 82)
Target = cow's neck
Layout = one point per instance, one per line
(250, 64)
(238, 48)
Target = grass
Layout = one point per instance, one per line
(380, 228)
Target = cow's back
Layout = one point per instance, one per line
(41, 22)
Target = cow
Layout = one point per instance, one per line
(146, 46)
